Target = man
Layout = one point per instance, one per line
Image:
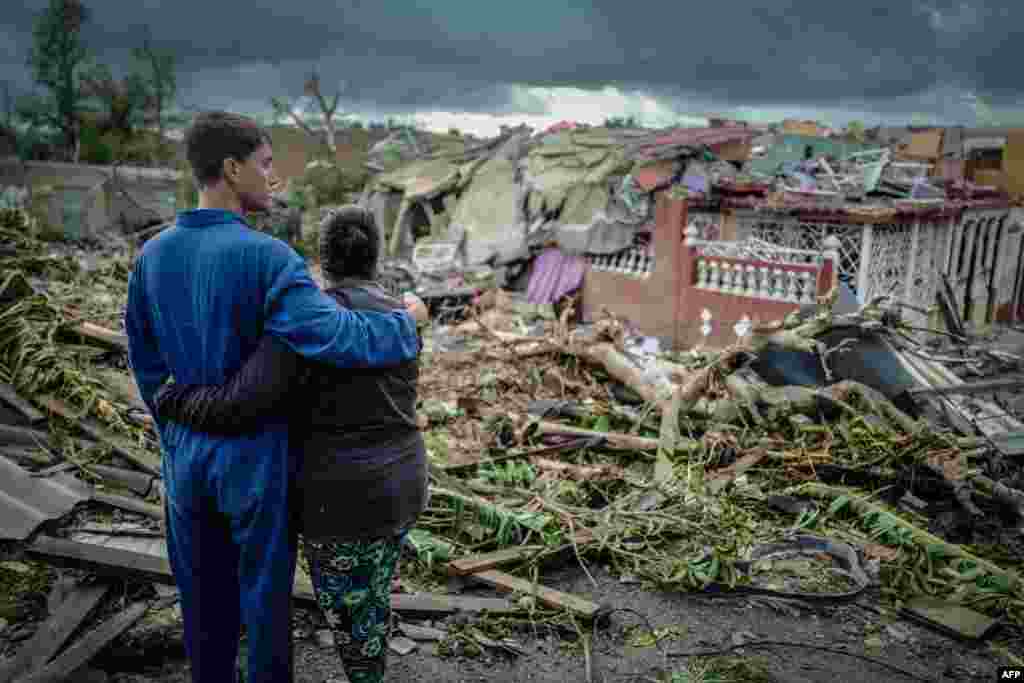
(201, 295)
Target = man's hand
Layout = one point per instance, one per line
(416, 308)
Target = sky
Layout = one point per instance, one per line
(474, 64)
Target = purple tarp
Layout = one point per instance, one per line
(554, 275)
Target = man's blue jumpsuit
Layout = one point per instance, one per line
(200, 297)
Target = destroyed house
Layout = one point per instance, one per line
(760, 263)
(84, 201)
(742, 239)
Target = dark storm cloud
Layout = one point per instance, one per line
(408, 54)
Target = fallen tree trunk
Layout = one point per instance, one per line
(691, 394)
(863, 507)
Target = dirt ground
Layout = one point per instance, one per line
(689, 623)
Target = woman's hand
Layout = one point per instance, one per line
(415, 307)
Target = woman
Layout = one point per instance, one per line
(361, 476)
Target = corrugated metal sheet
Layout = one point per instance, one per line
(26, 501)
(790, 148)
(554, 275)
(695, 138)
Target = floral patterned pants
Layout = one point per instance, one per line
(352, 583)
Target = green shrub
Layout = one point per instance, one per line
(97, 148)
(330, 184)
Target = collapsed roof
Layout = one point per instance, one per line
(589, 190)
(585, 189)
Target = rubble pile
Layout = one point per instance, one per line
(754, 464)
(590, 194)
(550, 442)
(588, 190)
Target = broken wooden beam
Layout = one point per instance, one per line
(100, 559)
(548, 597)
(435, 604)
(422, 633)
(478, 563)
(11, 397)
(970, 388)
(103, 530)
(106, 337)
(517, 453)
(117, 562)
(121, 446)
(611, 439)
(87, 647)
(54, 633)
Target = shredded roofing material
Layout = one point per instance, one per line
(26, 501)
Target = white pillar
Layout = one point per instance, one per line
(952, 233)
(864, 268)
(915, 242)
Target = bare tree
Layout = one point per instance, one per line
(327, 106)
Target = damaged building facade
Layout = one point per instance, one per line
(85, 201)
(660, 226)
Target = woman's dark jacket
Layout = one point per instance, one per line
(362, 467)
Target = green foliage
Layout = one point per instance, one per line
(115, 104)
(723, 670)
(429, 548)
(155, 80)
(56, 59)
(326, 183)
(622, 122)
(518, 473)
(97, 147)
(856, 130)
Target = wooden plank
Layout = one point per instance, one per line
(101, 559)
(109, 561)
(130, 504)
(105, 530)
(422, 633)
(970, 388)
(546, 596)
(87, 647)
(9, 396)
(436, 604)
(123, 447)
(103, 335)
(485, 561)
(513, 454)
(51, 636)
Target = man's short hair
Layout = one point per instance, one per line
(218, 135)
(349, 244)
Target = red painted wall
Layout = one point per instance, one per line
(667, 304)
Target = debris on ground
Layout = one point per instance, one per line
(551, 444)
